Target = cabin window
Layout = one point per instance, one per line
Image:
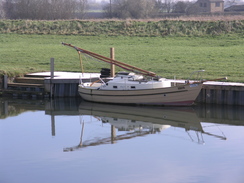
(133, 87)
(217, 4)
(205, 4)
(115, 87)
(200, 4)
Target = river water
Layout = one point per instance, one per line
(65, 140)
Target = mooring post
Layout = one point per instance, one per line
(112, 66)
(52, 67)
(113, 130)
(53, 124)
(113, 134)
(5, 82)
(5, 108)
(51, 76)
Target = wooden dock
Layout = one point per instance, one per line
(41, 85)
(65, 84)
(223, 93)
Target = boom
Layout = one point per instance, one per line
(112, 61)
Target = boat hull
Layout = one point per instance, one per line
(183, 95)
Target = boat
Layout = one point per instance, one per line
(130, 88)
(136, 86)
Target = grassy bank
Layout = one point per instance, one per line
(146, 28)
(170, 56)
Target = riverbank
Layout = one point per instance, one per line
(170, 57)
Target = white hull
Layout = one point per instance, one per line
(183, 95)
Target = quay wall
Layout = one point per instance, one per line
(226, 94)
(221, 94)
(62, 87)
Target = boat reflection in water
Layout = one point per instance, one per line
(127, 122)
(137, 121)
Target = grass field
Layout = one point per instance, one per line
(167, 56)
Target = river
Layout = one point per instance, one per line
(69, 140)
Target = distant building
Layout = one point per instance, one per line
(210, 6)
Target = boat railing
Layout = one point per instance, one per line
(80, 78)
(196, 76)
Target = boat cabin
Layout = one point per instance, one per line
(132, 81)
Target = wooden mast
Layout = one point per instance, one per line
(112, 61)
(112, 66)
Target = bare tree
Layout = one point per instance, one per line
(131, 8)
(23, 9)
(168, 5)
(180, 7)
(8, 8)
(144, 8)
(40, 9)
(192, 8)
(43, 10)
(81, 8)
(2, 13)
(165, 6)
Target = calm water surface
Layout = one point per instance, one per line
(62, 141)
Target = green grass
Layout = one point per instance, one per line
(168, 57)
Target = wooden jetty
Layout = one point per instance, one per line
(65, 84)
(223, 93)
(42, 85)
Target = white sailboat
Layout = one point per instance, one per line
(136, 87)
(129, 88)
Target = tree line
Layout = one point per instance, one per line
(148, 8)
(69, 9)
(41, 9)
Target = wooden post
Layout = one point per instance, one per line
(112, 66)
(51, 75)
(81, 135)
(5, 108)
(5, 82)
(53, 124)
(52, 67)
(113, 134)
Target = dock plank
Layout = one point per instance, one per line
(30, 80)
(31, 85)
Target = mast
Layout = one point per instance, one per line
(112, 61)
